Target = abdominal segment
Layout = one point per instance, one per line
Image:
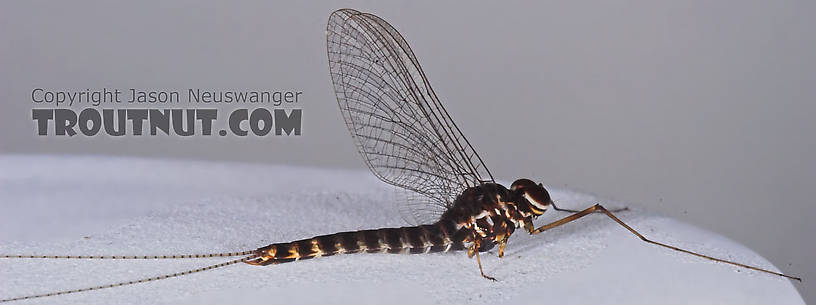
(438, 237)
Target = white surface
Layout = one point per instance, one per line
(102, 205)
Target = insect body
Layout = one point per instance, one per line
(481, 217)
(407, 139)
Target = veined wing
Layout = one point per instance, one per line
(403, 132)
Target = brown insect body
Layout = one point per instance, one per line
(484, 215)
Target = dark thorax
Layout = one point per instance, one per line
(489, 213)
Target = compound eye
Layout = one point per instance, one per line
(521, 183)
(538, 196)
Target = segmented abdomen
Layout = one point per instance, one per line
(438, 237)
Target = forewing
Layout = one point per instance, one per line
(402, 131)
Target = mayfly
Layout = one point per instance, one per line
(408, 140)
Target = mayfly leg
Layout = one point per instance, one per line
(600, 208)
(474, 251)
(623, 209)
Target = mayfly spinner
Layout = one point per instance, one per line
(408, 140)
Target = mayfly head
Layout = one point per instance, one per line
(532, 194)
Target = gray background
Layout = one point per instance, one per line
(697, 109)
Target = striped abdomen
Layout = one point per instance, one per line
(438, 237)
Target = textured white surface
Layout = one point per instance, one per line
(103, 205)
